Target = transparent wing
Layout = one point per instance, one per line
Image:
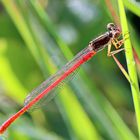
(48, 96)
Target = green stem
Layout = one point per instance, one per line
(130, 64)
(133, 6)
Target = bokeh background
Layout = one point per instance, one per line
(37, 37)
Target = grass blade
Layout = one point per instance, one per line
(130, 64)
(133, 6)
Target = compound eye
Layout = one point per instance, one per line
(110, 26)
(117, 34)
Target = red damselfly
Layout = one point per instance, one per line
(109, 38)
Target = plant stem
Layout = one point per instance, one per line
(130, 64)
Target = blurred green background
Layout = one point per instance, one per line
(37, 37)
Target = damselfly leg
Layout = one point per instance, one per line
(117, 44)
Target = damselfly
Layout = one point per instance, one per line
(109, 38)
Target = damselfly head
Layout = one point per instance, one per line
(114, 30)
(111, 26)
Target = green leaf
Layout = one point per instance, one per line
(130, 64)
